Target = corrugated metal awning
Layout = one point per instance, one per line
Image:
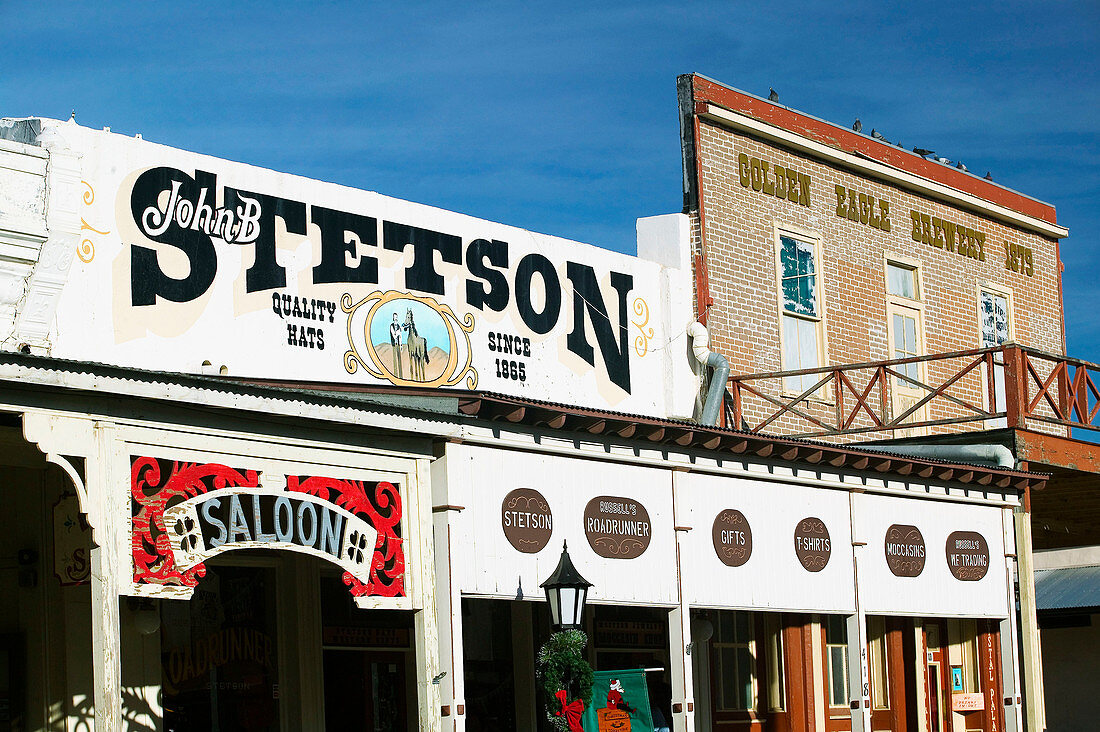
(1067, 588)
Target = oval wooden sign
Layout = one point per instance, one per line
(732, 537)
(812, 544)
(905, 551)
(617, 527)
(967, 555)
(526, 519)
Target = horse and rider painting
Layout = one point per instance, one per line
(414, 346)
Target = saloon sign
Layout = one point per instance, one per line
(184, 514)
(187, 259)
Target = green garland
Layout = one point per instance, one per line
(561, 665)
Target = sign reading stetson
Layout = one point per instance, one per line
(905, 551)
(812, 544)
(617, 527)
(189, 259)
(732, 537)
(526, 519)
(967, 555)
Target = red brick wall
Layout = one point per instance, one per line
(739, 239)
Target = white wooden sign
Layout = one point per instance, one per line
(616, 518)
(798, 539)
(189, 260)
(905, 566)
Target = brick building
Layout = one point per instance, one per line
(865, 293)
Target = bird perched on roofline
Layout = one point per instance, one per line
(858, 126)
(988, 175)
(922, 152)
(773, 96)
(943, 161)
(962, 167)
(878, 135)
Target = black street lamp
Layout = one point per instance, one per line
(566, 592)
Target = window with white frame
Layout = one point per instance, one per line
(800, 302)
(994, 328)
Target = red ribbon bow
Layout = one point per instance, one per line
(572, 711)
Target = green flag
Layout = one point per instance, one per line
(620, 703)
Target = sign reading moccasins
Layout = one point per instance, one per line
(905, 551)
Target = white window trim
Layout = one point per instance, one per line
(814, 237)
(917, 265)
(997, 289)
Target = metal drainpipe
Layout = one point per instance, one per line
(998, 455)
(720, 371)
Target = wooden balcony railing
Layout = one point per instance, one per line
(1008, 386)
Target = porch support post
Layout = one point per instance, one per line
(425, 626)
(106, 654)
(1034, 706)
(448, 607)
(679, 639)
(859, 678)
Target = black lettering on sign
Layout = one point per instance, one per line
(147, 280)
(496, 252)
(266, 273)
(540, 322)
(587, 298)
(340, 231)
(421, 274)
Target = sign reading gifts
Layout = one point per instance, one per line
(184, 514)
(276, 276)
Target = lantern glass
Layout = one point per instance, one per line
(553, 596)
(568, 601)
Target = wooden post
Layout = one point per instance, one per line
(1015, 387)
(679, 638)
(1034, 705)
(859, 670)
(106, 658)
(425, 627)
(448, 606)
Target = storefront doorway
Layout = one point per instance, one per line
(254, 651)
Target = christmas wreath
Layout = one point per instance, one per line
(565, 678)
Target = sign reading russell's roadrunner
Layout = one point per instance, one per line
(188, 261)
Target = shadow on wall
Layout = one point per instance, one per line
(137, 713)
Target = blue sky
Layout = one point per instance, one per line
(562, 117)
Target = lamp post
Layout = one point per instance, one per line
(566, 592)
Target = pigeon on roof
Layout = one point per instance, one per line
(878, 135)
(773, 96)
(988, 175)
(858, 126)
(938, 159)
(922, 152)
(962, 167)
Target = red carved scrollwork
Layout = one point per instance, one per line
(379, 504)
(155, 484)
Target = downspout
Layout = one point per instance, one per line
(720, 371)
(997, 455)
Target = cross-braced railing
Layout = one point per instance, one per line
(1010, 385)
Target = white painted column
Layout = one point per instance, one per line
(425, 626)
(859, 677)
(679, 639)
(106, 652)
(1029, 626)
(1010, 658)
(448, 603)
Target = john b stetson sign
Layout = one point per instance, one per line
(967, 555)
(526, 519)
(616, 527)
(732, 537)
(812, 545)
(905, 553)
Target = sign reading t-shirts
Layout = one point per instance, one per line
(812, 544)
